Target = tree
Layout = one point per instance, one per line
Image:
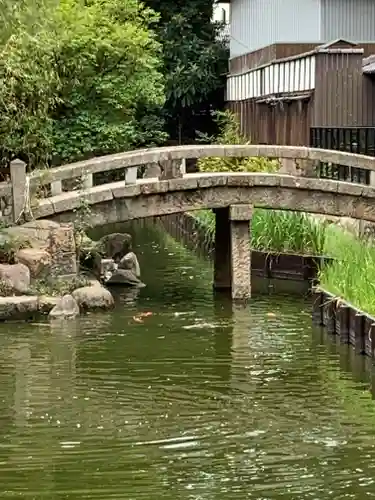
(195, 65)
(83, 81)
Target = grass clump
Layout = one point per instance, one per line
(289, 232)
(229, 133)
(352, 275)
(277, 231)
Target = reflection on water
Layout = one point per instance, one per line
(203, 400)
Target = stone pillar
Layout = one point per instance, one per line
(232, 266)
(19, 194)
(170, 169)
(62, 249)
(222, 260)
(240, 219)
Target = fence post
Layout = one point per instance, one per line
(18, 180)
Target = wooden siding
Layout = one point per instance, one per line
(286, 123)
(267, 55)
(344, 97)
(294, 75)
(280, 102)
(277, 51)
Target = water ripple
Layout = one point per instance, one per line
(201, 401)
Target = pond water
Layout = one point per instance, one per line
(201, 400)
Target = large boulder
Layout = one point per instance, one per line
(66, 307)
(33, 234)
(125, 277)
(114, 245)
(36, 259)
(93, 297)
(21, 307)
(15, 277)
(127, 272)
(130, 262)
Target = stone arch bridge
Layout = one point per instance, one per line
(168, 189)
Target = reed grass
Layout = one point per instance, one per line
(277, 231)
(352, 275)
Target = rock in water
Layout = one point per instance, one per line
(130, 262)
(94, 297)
(115, 245)
(125, 277)
(66, 307)
(16, 277)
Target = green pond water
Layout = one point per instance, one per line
(200, 401)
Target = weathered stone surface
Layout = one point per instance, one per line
(67, 201)
(36, 259)
(114, 245)
(130, 262)
(34, 233)
(241, 212)
(46, 303)
(274, 191)
(62, 248)
(97, 194)
(154, 155)
(182, 184)
(16, 277)
(152, 186)
(107, 267)
(19, 307)
(121, 190)
(93, 297)
(152, 171)
(66, 307)
(170, 169)
(125, 277)
(241, 259)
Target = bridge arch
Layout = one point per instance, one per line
(117, 202)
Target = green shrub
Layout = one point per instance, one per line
(78, 78)
(229, 133)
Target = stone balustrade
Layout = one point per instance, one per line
(165, 163)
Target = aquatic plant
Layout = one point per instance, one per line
(277, 231)
(352, 275)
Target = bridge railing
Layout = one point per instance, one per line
(159, 163)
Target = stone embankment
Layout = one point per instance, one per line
(40, 270)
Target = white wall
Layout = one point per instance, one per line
(258, 23)
(221, 12)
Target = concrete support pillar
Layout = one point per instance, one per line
(232, 250)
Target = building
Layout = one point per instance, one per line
(221, 14)
(259, 23)
(302, 72)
